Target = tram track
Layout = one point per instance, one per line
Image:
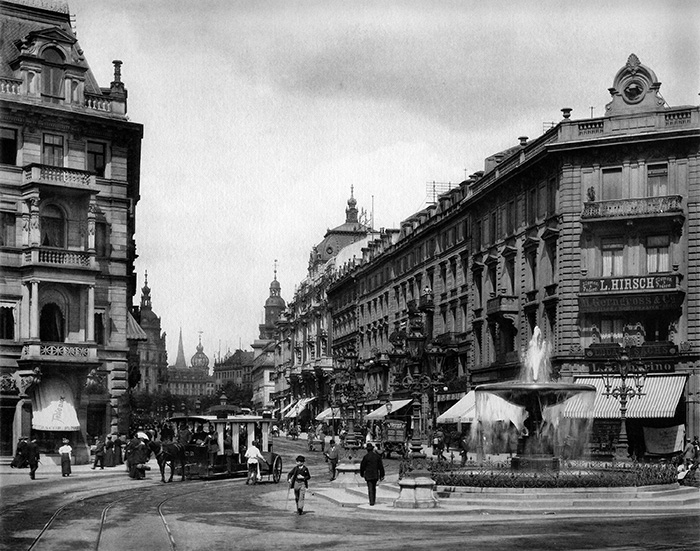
(93, 523)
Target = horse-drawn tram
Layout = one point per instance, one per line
(213, 447)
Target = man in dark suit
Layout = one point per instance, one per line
(33, 457)
(372, 470)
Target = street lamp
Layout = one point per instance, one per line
(625, 369)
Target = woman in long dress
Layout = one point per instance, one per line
(66, 452)
(109, 452)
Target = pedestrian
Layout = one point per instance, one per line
(310, 438)
(298, 480)
(66, 452)
(99, 453)
(228, 451)
(689, 454)
(138, 454)
(439, 444)
(254, 457)
(321, 434)
(212, 443)
(109, 452)
(372, 470)
(33, 457)
(20, 459)
(332, 456)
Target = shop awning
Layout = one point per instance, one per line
(462, 412)
(660, 399)
(328, 414)
(134, 332)
(298, 408)
(53, 406)
(285, 409)
(382, 411)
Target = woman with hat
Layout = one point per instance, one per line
(66, 452)
(298, 479)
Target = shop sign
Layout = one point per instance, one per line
(631, 283)
(648, 367)
(651, 301)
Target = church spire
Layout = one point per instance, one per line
(351, 211)
(180, 361)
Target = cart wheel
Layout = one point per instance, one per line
(277, 469)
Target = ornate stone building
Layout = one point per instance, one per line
(589, 232)
(152, 353)
(236, 367)
(192, 380)
(69, 167)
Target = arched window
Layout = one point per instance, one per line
(52, 75)
(53, 227)
(51, 324)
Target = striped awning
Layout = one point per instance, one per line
(463, 411)
(382, 411)
(134, 332)
(660, 399)
(328, 414)
(298, 408)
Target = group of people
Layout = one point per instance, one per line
(27, 456)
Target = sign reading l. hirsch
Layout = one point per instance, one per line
(633, 293)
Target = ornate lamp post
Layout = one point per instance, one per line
(622, 391)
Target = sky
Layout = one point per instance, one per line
(260, 116)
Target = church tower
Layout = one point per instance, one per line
(274, 306)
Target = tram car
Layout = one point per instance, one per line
(200, 462)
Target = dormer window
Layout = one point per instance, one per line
(53, 76)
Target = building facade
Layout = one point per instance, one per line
(69, 186)
(588, 232)
(193, 379)
(152, 353)
(236, 368)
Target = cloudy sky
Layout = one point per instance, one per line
(259, 116)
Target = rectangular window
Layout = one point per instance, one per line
(96, 158)
(510, 217)
(551, 196)
(657, 180)
(99, 328)
(612, 184)
(8, 146)
(611, 330)
(7, 229)
(492, 228)
(7, 322)
(532, 206)
(53, 150)
(612, 257)
(658, 254)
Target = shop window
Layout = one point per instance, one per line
(611, 330)
(658, 254)
(612, 251)
(96, 158)
(8, 146)
(656, 328)
(657, 180)
(612, 184)
(53, 227)
(53, 150)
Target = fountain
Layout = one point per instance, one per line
(534, 404)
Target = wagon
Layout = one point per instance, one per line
(244, 429)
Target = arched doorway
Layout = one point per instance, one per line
(51, 324)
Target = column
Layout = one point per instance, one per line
(34, 313)
(91, 314)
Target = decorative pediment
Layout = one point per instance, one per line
(635, 88)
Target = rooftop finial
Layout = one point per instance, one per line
(275, 269)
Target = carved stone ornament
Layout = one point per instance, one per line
(635, 88)
(8, 384)
(25, 379)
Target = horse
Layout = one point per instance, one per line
(170, 453)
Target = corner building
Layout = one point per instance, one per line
(69, 185)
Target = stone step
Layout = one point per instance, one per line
(553, 493)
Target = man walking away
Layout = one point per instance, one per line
(298, 479)
(33, 458)
(372, 470)
(99, 453)
(332, 455)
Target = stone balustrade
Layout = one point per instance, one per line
(632, 207)
(37, 173)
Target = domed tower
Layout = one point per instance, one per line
(200, 360)
(274, 306)
(154, 358)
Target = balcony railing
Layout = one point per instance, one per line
(10, 85)
(46, 174)
(502, 304)
(60, 351)
(618, 208)
(58, 257)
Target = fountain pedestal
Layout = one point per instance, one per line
(534, 463)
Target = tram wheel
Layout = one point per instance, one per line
(277, 469)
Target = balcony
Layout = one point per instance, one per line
(503, 306)
(668, 206)
(59, 352)
(632, 293)
(59, 176)
(40, 256)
